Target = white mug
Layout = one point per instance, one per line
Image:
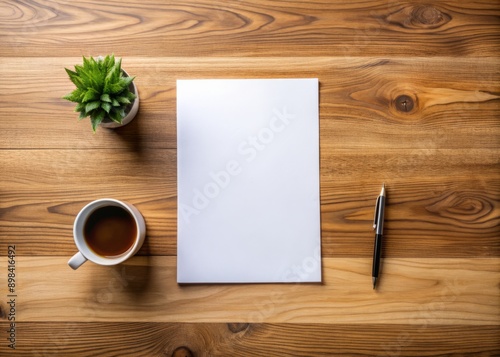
(86, 253)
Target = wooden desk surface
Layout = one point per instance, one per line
(439, 293)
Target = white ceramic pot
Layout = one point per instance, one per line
(131, 110)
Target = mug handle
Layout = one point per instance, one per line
(77, 260)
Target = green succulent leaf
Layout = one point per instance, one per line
(97, 119)
(117, 68)
(108, 62)
(79, 94)
(83, 115)
(102, 89)
(116, 88)
(116, 116)
(72, 97)
(131, 96)
(73, 76)
(92, 105)
(125, 81)
(106, 106)
(91, 95)
(123, 100)
(86, 62)
(105, 98)
(80, 107)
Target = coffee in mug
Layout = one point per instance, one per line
(110, 231)
(107, 232)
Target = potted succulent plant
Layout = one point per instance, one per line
(104, 92)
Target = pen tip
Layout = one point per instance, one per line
(382, 191)
(374, 280)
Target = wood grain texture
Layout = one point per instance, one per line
(409, 96)
(251, 28)
(456, 101)
(241, 339)
(446, 147)
(441, 203)
(411, 291)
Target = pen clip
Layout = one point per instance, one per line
(375, 217)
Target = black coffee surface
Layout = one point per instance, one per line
(110, 231)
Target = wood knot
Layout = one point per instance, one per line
(404, 103)
(464, 207)
(182, 351)
(237, 327)
(427, 16)
(418, 17)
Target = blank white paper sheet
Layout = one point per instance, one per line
(248, 181)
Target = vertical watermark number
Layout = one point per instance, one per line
(11, 296)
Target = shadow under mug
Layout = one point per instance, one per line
(86, 253)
